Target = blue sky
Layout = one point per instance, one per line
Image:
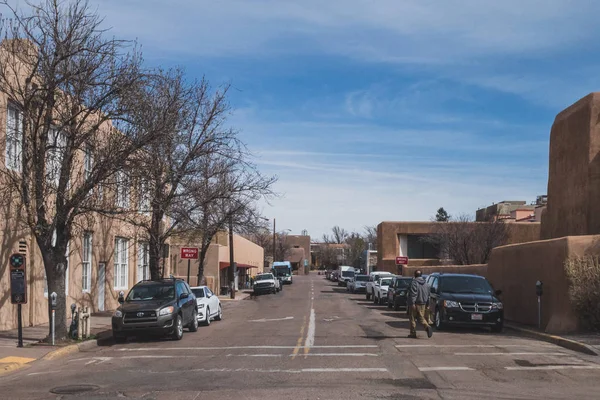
(382, 110)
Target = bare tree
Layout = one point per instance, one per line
(71, 123)
(370, 235)
(356, 246)
(466, 242)
(338, 235)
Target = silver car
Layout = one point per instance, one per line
(358, 284)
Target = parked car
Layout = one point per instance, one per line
(468, 300)
(335, 276)
(346, 274)
(209, 305)
(380, 289)
(265, 283)
(156, 307)
(398, 291)
(357, 284)
(372, 280)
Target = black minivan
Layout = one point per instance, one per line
(467, 300)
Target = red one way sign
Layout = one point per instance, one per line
(189, 253)
(401, 260)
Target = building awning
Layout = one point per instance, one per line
(225, 264)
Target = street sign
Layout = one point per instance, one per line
(189, 253)
(401, 260)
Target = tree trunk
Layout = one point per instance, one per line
(201, 258)
(55, 263)
(155, 245)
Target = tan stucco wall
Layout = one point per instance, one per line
(516, 268)
(574, 171)
(476, 269)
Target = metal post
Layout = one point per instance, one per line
(19, 327)
(539, 312)
(79, 323)
(188, 277)
(273, 241)
(231, 260)
(53, 325)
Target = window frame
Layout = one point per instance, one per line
(143, 254)
(121, 263)
(86, 262)
(14, 139)
(123, 190)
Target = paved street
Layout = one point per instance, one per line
(315, 341)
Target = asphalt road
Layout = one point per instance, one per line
(315, 341)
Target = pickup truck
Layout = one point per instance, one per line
(371, 283)
(266, 283)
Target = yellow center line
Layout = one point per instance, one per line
(299, 343)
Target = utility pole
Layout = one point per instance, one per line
(274, 251)
(232, 268)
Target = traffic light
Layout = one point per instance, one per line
(18, 279)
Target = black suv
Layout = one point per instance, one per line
(156, 307)
(398, 292)
(461, 299)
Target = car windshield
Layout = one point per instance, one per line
(151, 292)
(198, 292)
(263, 277)
(362, 278)
(348, 274)
(403, 283)
(465, 284)
(386, 282)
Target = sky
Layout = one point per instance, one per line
(373, 110)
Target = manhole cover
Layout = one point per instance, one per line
(74, 389)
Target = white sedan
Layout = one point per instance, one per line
(209, 305)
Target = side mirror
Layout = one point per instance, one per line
(121, 297)
(184, 296)
(498, 292)
(208, 296)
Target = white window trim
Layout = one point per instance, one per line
(13, 161)
(143, 197)
(143, 257)
(55, 156)
(88, 162)
(123, 192)
(86, 262)
(121, 263)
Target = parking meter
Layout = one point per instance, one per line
(53, 302)
(18, 279)
(539, 288)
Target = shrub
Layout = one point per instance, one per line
(584, 289)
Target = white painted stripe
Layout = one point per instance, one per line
(552, 367)
(310, 335)
(429, 369)
(341, 355)
(401, 346)
(270, 371)
(270, 320)
(344, 370)
(254, 355)
(350, 346)
(511, 354)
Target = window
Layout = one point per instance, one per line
(14, 138)
(122, 190)
(57, 143)
(121, 263)
(88, 162)
(143, 272)
(143, 197)
(86, 270)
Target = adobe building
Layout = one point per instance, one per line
(299, 255)
(406, 239)
(570, 224)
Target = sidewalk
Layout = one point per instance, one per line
(13, 357)
(239, 295)
(587, 343)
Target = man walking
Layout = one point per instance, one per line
(418, 298)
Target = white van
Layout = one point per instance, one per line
(346, 275)
(372, 279)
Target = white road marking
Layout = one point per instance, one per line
(429, 369)
(511, 354)
(342, 355)
(269, 371)
(349, 346)
(270, 320)
(310, 335)
(254, 355)
(400, 346)
(42, 373)
(552, 367)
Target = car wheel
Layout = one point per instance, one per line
(219, 316)
(178, 329)
(194, 324)
(119, 338)
(396, 306)
(368, 296)
(389, 304)
(439, 325)
(498, 328)
(375, 300)
(380, 301)
(207, 321)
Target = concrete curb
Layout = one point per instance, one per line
(557, 340)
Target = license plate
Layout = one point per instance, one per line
(477, 317)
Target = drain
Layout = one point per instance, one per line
(74, 389)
